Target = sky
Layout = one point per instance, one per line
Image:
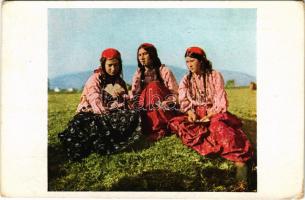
(77, 36)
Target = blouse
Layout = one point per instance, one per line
(93, 95)
(150, 75)
(192, 93)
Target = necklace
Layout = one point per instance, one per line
(200, 95)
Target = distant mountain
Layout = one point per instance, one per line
(241, 79)
(77, 80)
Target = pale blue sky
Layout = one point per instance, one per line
(76, 37)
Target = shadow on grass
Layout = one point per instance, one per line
(56, 158)
(210, 179)
(250, 128)
(252, 176)
(156, 180)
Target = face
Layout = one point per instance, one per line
(112, 66)
(193, 64)
(144, 58)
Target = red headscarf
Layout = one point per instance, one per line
(147, 45)
(110, 53)
(196, 50)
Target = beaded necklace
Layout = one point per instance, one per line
(199, 93)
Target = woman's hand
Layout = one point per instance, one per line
(168, 104)
(116, 105)
(207, 118)
(191, 116)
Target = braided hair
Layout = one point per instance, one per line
(156, 63)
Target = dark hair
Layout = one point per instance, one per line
(206, 67)
(156, 63)
(106, 78)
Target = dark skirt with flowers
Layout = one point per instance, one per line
(103, 134)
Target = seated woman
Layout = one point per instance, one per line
(103, 122)
(154, 89)
(207, 126)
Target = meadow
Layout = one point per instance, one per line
(165, 165)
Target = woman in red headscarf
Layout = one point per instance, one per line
(207, 126)
(154, 91)
(103, 122)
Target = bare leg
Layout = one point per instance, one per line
(241, 176)
(241, 171)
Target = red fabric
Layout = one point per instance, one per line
(201, 111)
(191, 133)
(147, 45)
(155, 119)
(222, 135)
(110, 53)
(196, 50)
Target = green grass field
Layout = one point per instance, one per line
(166, 165)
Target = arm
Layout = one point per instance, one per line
(135, 85)
(220, 102)
(185, 103)
(94, 94)
(170, 82)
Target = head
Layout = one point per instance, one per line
(147, 56)
(196, 60)
(197, 63)
(111, 62)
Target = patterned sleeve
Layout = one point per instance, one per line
(135, 85)
(94, 94)
(220, 102)
(169, 80)
(185, 103)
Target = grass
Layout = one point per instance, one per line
(166, 165)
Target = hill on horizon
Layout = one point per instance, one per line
(78, 79)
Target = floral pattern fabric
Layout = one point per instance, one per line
(103, 134)
(103, 124)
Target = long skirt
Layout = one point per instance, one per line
(222, 135)
(155, 118)
(103, 134)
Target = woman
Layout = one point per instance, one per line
(154, 91)
(103, 122)
(207, 126)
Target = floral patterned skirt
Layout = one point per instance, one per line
(103, 134)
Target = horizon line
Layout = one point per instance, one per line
(77, 72)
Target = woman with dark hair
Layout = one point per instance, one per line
(155, 91)
(103, 122)
(207, 126)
